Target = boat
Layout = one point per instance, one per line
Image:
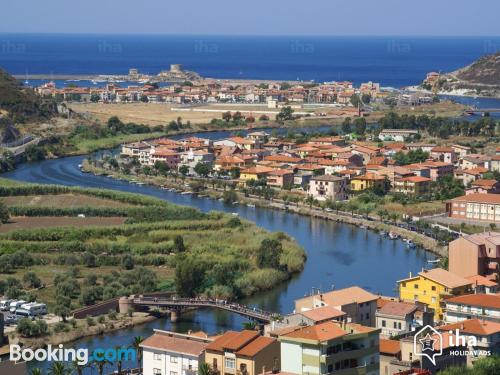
(382, 233)
(235, 214)
(221, 199)
(393, 236)
(80, 166)
(410, 244)
(140, 183)
(186, 192)
(251, 205)
(435, 261)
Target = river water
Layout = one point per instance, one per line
(339, 255)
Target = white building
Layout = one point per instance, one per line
(473, 306)
(398, 135)
(170, 353)
(328, 187)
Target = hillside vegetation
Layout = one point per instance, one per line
(157, 246)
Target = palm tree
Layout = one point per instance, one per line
(77, 368)
(136, 342)
(101, 364)
(119, 359)
(58, 368)
(204, 369)
(250, 326)
(36, 371)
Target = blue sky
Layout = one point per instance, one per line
(254, 17)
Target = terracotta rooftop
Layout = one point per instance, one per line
(328, 178)
(416, 179)
(473, 327)
(484, 183)
(232, 340)
(481, 280)
(255, 346)
(344, 296)
(446, 278)
(323, 313)
(391, 347)
(400, 309)
(484, 300)
(181, 344)
(257, 170)
(320, 332)
(479, 198)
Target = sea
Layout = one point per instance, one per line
(392, 61)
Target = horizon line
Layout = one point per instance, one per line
(245, 35)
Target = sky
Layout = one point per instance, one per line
(254, 17)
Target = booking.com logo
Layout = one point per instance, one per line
(81, 356)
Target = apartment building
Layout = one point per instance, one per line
(331, 347)
(486, 334)
(480, 207)
(394, 318)
(413, 186)
(359, 305)
(328, 187)
(244, 353)
(431, 287)
(473, 306)
(368, 181)
(170, 353)
(397, 135)
(475, 254)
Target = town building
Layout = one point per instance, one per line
(170, 353)
(330, 347)
(476, 254)
(444, 154)
(280, 178)
(473, 306)
(414, 186)
(328, 187)
(397, 135)
(431, 287)
(368, 181)
(485, 334)
(244, 352)
(359, 305)
(395, 318)
(475, 207)
(483, 186)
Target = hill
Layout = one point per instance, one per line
(22, 104)
(482, 77)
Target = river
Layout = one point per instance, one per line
(339, 255)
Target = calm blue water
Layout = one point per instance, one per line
(393, 61)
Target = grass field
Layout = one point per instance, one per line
(62, 200)
(17, 223)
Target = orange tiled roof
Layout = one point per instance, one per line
(474, 327)
(255, 346)
(392, 347)
(484, 300)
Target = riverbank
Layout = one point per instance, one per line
(80, 328)
(369, 222)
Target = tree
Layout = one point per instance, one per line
(136, 345)
(184, 170)
(179, 246)
(94, 98)
(31, 280)
(285, 114)
(4, 213)
(89, 259)
(128, 262)
(101, 364)
(226, 116)
(355, 101)
(37, 371)
(115, 124)
(77, 368)
(204, 369)
(268, 254)
(202, 169)
(360, 125)
(310, 200)
(161, 168)
(346, 125)
(189, 276)
(250, 326)
(62, 307)
(58, 368)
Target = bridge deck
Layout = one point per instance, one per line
(253, 313)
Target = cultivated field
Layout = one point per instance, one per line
(51, 222)
(62, 200)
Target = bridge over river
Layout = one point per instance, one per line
(176, 305)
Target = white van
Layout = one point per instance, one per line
(35, 309)
(14, 305)
(23, 313)
(5, 304)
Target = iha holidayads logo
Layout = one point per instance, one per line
(430, 343)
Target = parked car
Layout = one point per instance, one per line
(5, 304)
(14, 305)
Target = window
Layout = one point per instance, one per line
(415, 286)
(395, 325)
(433, 299)
(399, 325)
(433, 287)
(173, 359)
(157, 357)
(367, 315)
(214, 363)
(383, 323)
(156, 371)
(230, 363)
(243, 367)
(330, 368)
(173, 373)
